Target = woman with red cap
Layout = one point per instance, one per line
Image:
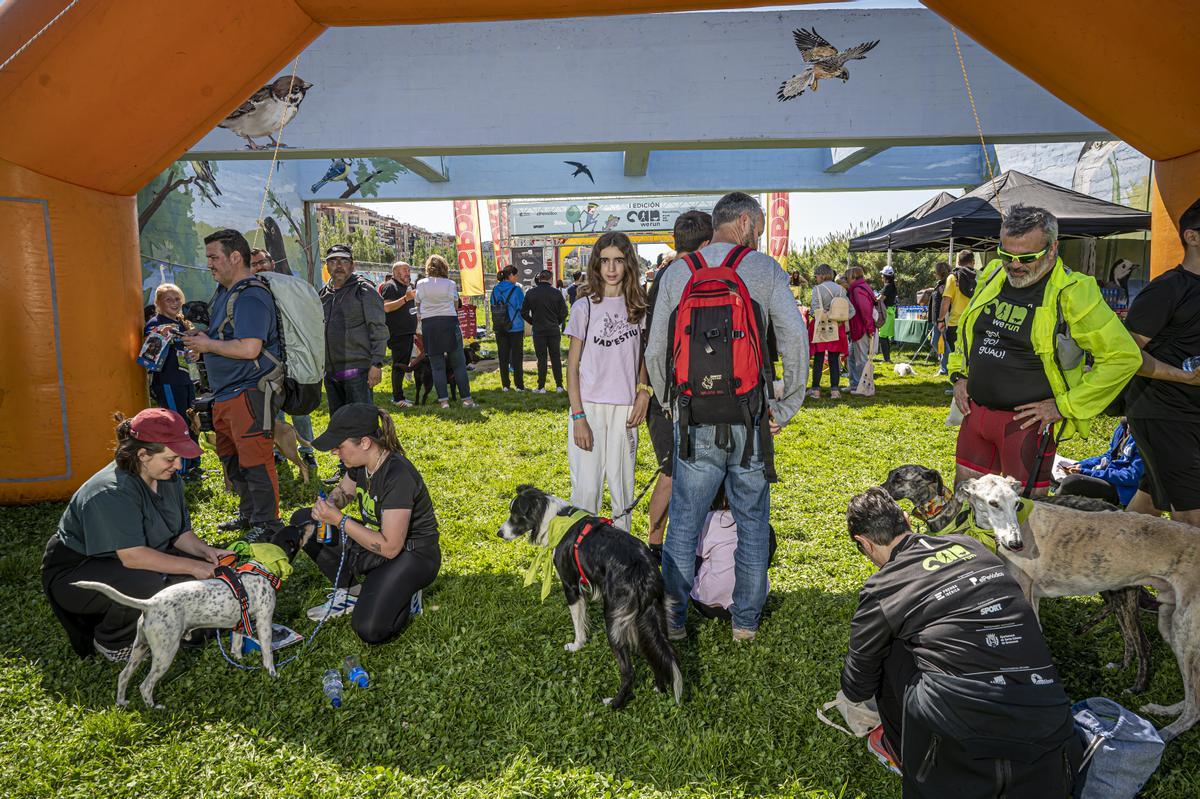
(127, 526)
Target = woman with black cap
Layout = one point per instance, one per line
(392, 545)
(127, 526)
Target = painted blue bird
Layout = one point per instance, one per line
(339, 169)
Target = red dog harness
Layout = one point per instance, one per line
(587, 528)
(233, 578)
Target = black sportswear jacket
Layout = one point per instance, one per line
(544, 309)
(953, 603)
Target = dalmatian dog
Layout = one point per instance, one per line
(173, 612)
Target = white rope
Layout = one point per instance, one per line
(35, 36)
(274, 155)
(974, 111)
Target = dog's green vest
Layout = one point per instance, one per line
(542, 567)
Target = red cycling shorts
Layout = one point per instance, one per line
(992, 442)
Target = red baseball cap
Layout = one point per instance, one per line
(164, 426)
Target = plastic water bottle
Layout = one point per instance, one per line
(1192, 364)
(414, 607)
(325, 535)
(331, 684)
(356, 675)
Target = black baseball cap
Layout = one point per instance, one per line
(339, 251)
(354, 420)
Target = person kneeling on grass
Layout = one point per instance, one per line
(393, 545)
(950, 649)
(712, 591)
(127, 526)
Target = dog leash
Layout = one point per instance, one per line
(650, 484)
(1047, 437)
(336, 578)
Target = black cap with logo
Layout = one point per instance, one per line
(354, 420)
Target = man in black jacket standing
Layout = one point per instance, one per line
(356, 334)
(546, 312)
(945, 642)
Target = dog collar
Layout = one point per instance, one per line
(935, 506)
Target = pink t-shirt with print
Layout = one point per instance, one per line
(608, 369)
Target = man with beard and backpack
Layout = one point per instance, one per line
(713, 309)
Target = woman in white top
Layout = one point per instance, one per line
(437, 300)
(606, 378)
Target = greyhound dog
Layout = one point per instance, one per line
(196, 604)
(934, 504)
(1064, 552)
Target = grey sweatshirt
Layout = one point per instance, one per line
(356, 331)
(768, 286)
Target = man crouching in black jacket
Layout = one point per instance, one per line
(943, 639)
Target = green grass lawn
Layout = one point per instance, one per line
(478, 698)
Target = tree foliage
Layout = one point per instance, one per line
(914, 270)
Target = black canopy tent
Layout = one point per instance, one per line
(974, 219)
(877, 240)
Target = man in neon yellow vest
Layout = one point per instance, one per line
(1019, 375)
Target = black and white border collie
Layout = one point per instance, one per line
(622, 571)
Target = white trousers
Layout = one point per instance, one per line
(613, 455)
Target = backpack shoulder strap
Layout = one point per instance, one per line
(735, 257)
(233, 295)
(695, 261)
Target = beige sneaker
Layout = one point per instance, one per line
(743, 635)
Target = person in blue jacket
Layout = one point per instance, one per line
(511, 345)
(1113, 476)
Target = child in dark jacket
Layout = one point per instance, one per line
(1115, 475)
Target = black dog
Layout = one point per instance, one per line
(610, 562)
(422, 372)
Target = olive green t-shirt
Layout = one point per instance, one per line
(117, 510)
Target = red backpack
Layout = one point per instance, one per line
(720, 372)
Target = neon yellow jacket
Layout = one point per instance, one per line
(1080, 395)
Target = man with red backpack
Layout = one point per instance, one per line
(707, 358)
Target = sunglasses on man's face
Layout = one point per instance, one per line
(1022, 258)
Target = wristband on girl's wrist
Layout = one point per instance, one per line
(575, 417)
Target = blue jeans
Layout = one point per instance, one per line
(444, 345)
(693, 487)
(343, 392)
(303, 425)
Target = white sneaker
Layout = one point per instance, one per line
(340, 603)
(504, 388)
(539, 391)
(560, 390)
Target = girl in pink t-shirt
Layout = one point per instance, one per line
(606, 378)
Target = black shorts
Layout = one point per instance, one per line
(662, 436)
(1171, 450)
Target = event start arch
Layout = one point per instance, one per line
(100, 96)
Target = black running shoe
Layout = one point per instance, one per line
(337, 478)
(309, 460)
(236, 523)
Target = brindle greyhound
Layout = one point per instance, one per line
(934, 504)
(1055, 553)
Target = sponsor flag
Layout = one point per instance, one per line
(778, 224)
(470, 256)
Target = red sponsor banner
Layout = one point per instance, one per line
(467, 322)
(493, 207)
(778, 224)
(504, 251)
(470, 256)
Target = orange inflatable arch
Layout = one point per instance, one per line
(115, 90)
